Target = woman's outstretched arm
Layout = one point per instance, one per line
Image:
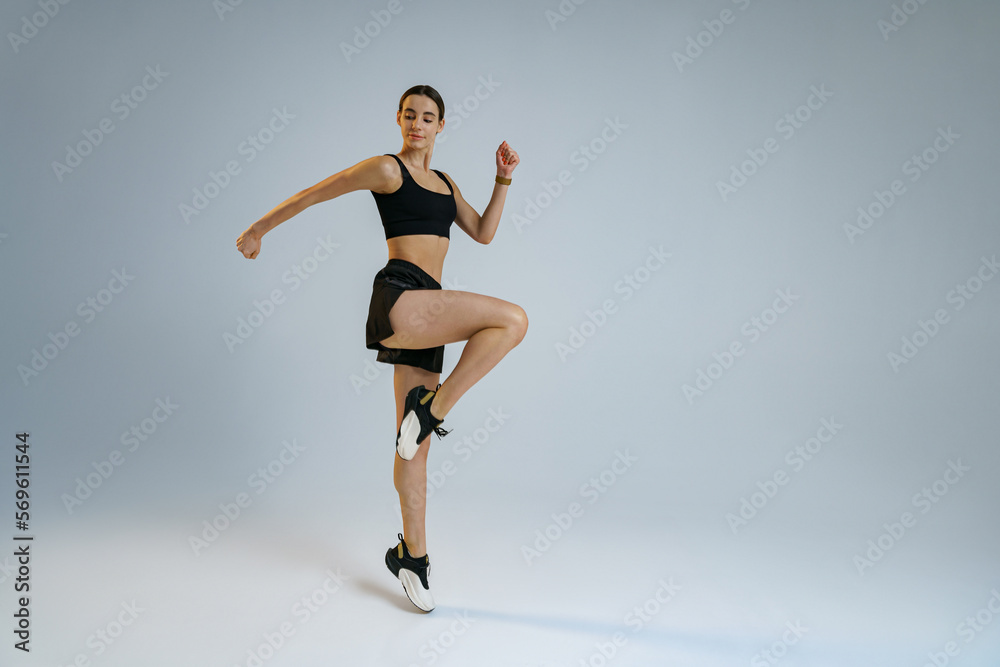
(371, 174)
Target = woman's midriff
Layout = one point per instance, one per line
(425, 250)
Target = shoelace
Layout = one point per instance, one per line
(438, 430)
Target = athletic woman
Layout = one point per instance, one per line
(411, 318)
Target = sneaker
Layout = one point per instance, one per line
(412, 573)
(417, 422)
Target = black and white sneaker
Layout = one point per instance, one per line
(418, 422)
(412, 573)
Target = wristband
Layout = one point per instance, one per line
(503, 181)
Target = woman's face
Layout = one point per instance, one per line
(419, 121)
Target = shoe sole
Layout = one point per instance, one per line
(419, 596)
(414, 589)
(409, 430)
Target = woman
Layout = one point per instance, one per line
(410, 317)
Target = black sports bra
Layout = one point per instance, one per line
(413, 209)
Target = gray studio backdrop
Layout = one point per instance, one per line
(756, 241)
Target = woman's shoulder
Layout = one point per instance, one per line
(385, 165)
(390, 165)
(386, 170)
(450, 179)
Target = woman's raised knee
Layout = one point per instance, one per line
(518, 322)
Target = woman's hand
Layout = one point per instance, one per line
(506, 160)
(249, 243)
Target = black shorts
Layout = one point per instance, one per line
(395, 278)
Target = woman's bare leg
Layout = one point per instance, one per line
(428, 318)
(410, 477)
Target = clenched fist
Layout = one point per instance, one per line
(249, 243)
(506, 160)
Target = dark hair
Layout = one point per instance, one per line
(429, 92)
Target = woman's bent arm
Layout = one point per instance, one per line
(483, 228)
(490, 219)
